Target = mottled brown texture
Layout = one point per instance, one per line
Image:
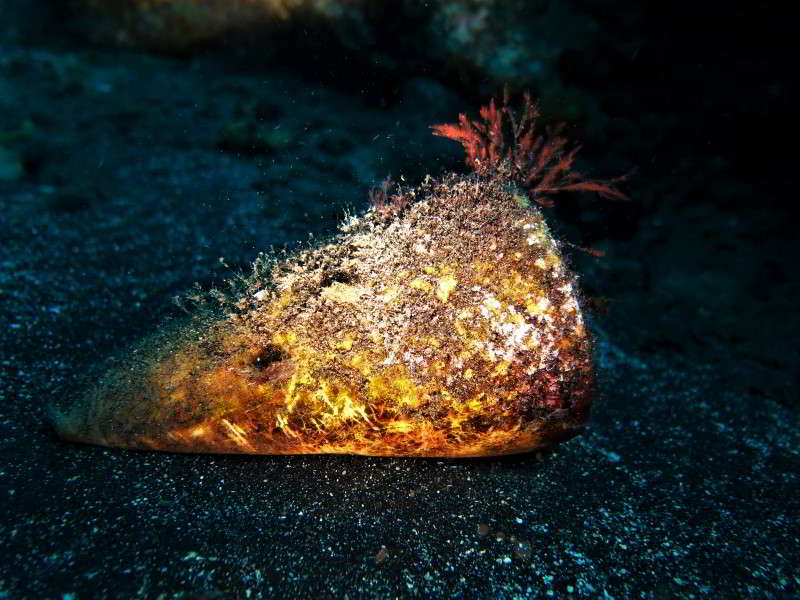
(451, 329)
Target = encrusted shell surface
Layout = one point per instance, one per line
(450, 329)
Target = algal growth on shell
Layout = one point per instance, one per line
(442, 322)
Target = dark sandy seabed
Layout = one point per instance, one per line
(685, 484)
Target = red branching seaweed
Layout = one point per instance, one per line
(504, 142)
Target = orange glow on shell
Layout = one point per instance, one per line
(452, 331)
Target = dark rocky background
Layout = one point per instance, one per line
(138, 147)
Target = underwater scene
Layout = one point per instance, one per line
(397, 299)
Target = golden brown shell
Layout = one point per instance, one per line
(450, 329)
